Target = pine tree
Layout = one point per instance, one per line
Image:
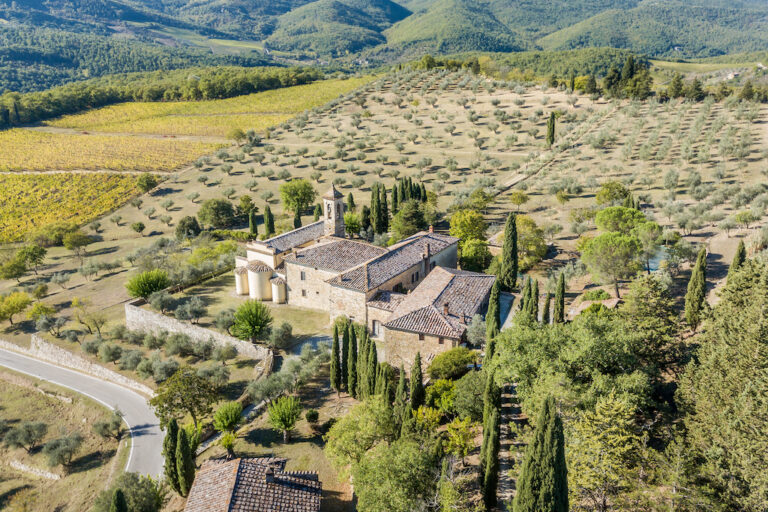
(558, 316)
(169, 453)
(417, 383)
(318, 212)
(675, 89)
(384, 210)
(551, 129)
(269, 222)
(335, 369)
(345, 357)
(738, 259)
(547, 306)
(253, 228)
(509, 264)
(491, 462)
(697, 289)
(352, 363)
(185, 463)
(493, 316)
(296, 220)
(118, 502)
(543, 480)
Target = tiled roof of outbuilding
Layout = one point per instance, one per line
(399, 258)
(423, 310)
(241, 485)
(336, 256)
(385, 300)
(294, 238)
(257, 266)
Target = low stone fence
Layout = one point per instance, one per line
(145, 320)
(33, 471)
(41, 349)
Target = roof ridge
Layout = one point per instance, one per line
(235, 480)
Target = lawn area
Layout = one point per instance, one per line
(94, 466)
(699, 67)
(305, 450)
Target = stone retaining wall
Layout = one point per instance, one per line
(145, 320)
(41, 349)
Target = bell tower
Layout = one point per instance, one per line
(333, 212)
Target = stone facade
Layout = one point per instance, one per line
(140, 319)
(307, 286)
(400, 347)
(349, 303)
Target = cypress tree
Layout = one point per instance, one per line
(269, 222)
(423, 193)
(185, 463)
(572, 82)
(401, 194)
(318, 212)
(417, 383)
(118, 502)
(376, 210)
(373, 368)
(352, 363)
(384, 210)
(547, 306)
(401, 399)
(362, 365)
(551, 129)
(697, 289)
(738, 259)
(169, 453)
(490, 350)
(533, 309)
(558, 316)
(491, 463)
(253, 228)
(509, 264)
(493, 316)
(345, 357)
(350, 202)
(555, 468)
(335, 369)
(395, 205)
(491, 399)
(525, 297)
(296, 220)
(365, 217)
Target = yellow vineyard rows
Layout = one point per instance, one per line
(29, 150)
(206, 118)
(30, 201)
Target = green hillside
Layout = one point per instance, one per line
(673, 30)
(454, 26)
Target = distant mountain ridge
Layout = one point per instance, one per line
(352, 31)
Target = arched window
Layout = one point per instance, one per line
(328, 208)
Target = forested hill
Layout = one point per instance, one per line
(57, 41)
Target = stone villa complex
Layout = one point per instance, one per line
(410, 295)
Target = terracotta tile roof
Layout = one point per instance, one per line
(277, 280)
(257, 266)
(294, 238)
(253, 485)
(337, 256)
(424, 310)
(241, 270)
(399, 258)
(385, 300)
(333, 193)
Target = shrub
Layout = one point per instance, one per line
(252, 320)
(598, 294)
(178, 344)
(130, 359)
(142, 494)
(109, 352)
(312, 416)
(188, 227)
(61, 451)
(468, 396)
(218, 374)
(281, 337)
(203, 350)
(146, 283)
(451, 364)
(91, 346)
(152, 342)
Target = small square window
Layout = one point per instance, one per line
(303, 293)
(440, 341)
(421, 337)
(303, 276)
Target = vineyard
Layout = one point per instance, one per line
(33, 200)
(210, 118)
(30, 150)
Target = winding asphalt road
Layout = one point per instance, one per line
(147, 438)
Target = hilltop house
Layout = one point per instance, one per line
(253, 485)
(410, 295)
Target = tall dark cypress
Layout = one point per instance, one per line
(185, 463)
(551, 129)
(525, 297)
(169, 454)
(118, 502)
(738, 259)
(545, 314)
(362, 365)
(269, 222)
(318, 212)
(335, 365)
(373, 367)
(253, 227)
(401, 193)
(345, 357)
(352, 363)
(533, 309)
(395, 205)
(384, 210)
(376, 210)
(491, 402)
(296, 220)
(491, 463)
(558, 315)
(423, 193)
(401, 399)
(493, 316)
(417, 383)
(509, 262)
(350, 202)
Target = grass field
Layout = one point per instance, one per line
(699, 67)
(210, 118)
(30, 150)
(29, 201)
(93, 467)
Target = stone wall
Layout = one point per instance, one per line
(400, 347)
(140, 319)
(349, 303)
(41, 349)
(314, 284)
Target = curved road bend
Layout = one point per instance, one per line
(147, 438)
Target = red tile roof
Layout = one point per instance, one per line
(252, 485)
(336, 256)
(294, 238)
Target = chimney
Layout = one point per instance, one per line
(431, 228)
(269, 475)
(445, 309)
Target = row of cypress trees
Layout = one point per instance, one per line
(489, 450)
(354, 365)
(179, 459)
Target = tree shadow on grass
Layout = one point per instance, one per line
(334, 501)
(91, 461)
(264, 437)
(5, 498)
